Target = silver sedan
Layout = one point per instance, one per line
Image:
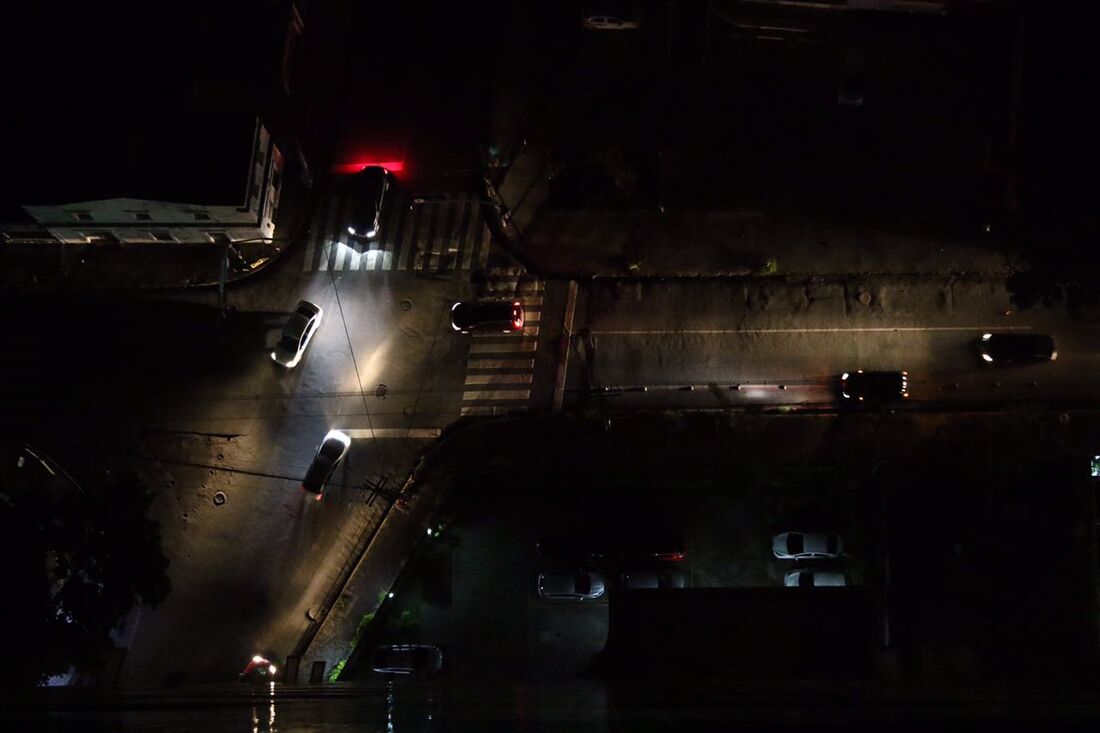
(297, 332)
(807, 545)
(569, 585)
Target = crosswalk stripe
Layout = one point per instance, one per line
(376, 433)
(478, 364)
(389, 232)
(434, 236)
(495, 379)
(530, 299)
(510, 346)
(408, 236)
(331, 223)
(483, 252)
(469, 225)
(531, 316)
(481, 410)
(531, 286)
(497, 394)
(528, 330)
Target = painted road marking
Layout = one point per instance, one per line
(498, 394)
(500, 364)
(495, 379)
(479, 410)
(723, 331)
(503, 348)
(376, 433)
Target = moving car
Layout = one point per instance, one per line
(259, 669)
(333, 449)
(1017, 348)
(422, 660)
(814, 579)
(645, 579)
(297, 332)
(368, 194)
(874, 386)
(576, 585)
(505, 316)
(807, 545)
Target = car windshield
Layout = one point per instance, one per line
(794, 543)
(583, 583)
(830, 544)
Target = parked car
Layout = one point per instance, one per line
(496, 315)
(645, 579)
(850, 82)
(807, 545)
(579, 585)
(297, 332)
(421, 660)
(368, 195)
(333, 449)
(621, 15)
(863, 386)
(1017, 348)
(814, 579)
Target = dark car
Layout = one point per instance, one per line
(505, 316)
(333, 449)
(368, 194)
(611, 15)
(863, 386)
(652, 579)
(422, 660)
(1017, 348)
(850, 85)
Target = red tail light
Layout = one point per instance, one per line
(671, 556)
(517, 316)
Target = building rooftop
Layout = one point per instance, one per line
(146, 102)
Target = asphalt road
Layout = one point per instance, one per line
(715, 344)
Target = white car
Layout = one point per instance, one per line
(814, 579)
(577, 586)
(297, 332)
(807, 546)
(333, 449)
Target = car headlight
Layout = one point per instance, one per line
(986, 336)
(987, 357)
(351, 231)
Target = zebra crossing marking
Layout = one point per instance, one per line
(483, 347)
(478, 364)
(496, 395)
(430, 236)
(495, 379)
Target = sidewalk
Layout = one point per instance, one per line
(394, 543)
(126, 266)
(592, 243)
